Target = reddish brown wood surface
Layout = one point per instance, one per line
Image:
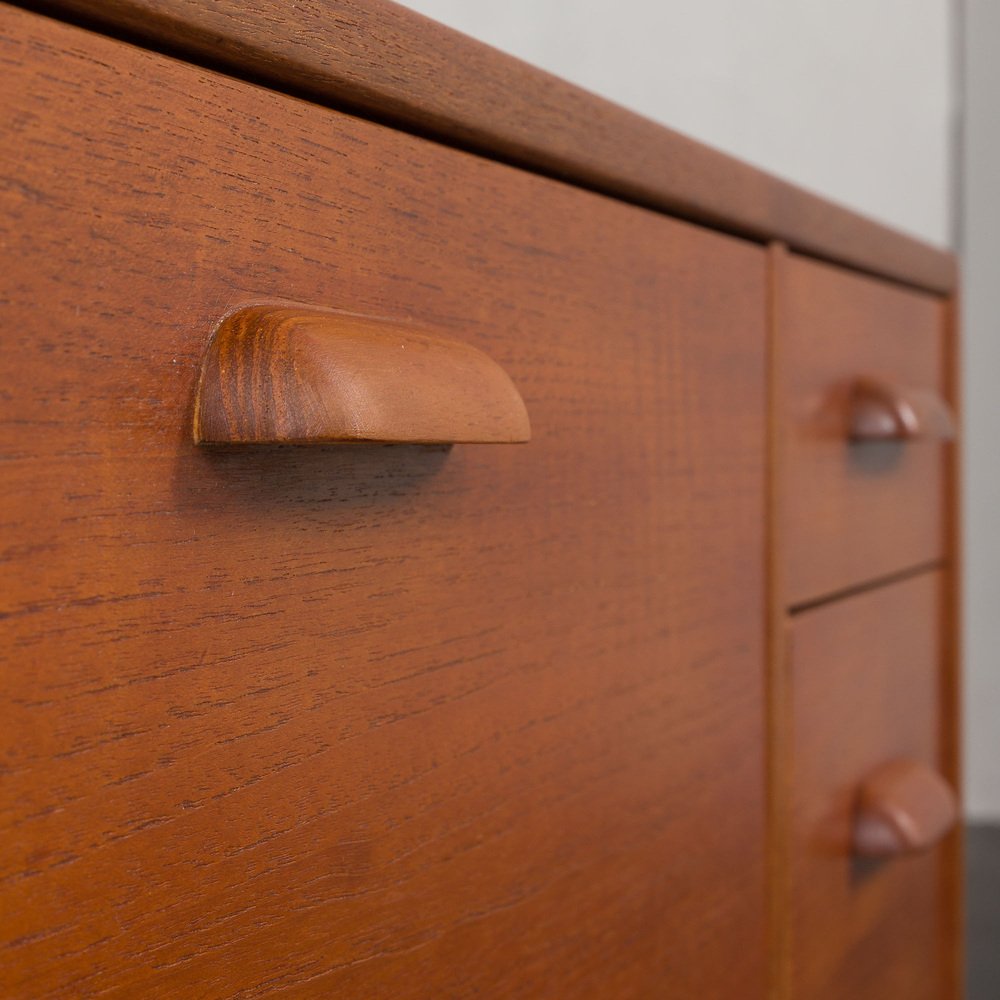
(853, 918)
(855, 511)
(779, 681)
(378, 58)
(289, 374)
(365, 721)
(866, 681)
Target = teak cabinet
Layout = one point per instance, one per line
(660, 702)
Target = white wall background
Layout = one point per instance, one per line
(857, 100)
(851, 98)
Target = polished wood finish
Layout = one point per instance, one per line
(855, 511)
(367, 721)
(867, 691)
(853, 928)
(904, 807)
(381, 60)
(280, 374)
(880, 411)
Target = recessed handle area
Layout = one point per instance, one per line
(296, 375)
(903, 807)
(880, 411)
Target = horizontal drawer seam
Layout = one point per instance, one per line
(874, 584)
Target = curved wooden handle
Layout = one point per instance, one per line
(286, 374)
(903, 807)
(879, 411)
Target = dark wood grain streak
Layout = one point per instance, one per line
(365, 721)
(380, 59)
(292, 374)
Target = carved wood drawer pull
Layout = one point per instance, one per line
(879, 411)
(903, 807)
(287, 374)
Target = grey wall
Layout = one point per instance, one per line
(856, 100)
(851, 98)
(980, 245)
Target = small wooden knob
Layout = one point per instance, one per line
(879, 411)
(903, 807)
(295, 375)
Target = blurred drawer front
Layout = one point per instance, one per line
(863, 411)
(870, 914)
(366, 721)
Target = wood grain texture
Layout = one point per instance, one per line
(380, 59)
(779, 679)
(867, 681)
(800, 962)
(374, 721)
(855, 512)
(289, 374)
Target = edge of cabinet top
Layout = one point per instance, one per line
(385, 62)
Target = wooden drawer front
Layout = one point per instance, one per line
(366, 721)
(853, 511)
(866, 682)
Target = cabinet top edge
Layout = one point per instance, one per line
(378, 60)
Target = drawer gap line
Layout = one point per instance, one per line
(863, 588)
